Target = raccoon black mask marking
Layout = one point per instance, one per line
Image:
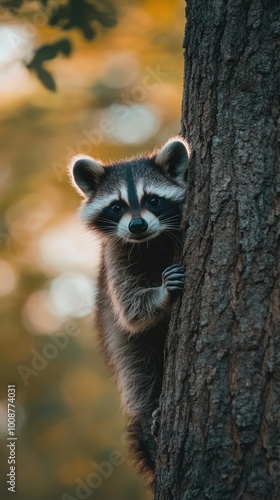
(135, 207)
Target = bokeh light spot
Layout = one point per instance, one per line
(8, 279)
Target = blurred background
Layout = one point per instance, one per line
(102, 78)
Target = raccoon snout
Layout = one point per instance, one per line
(137, 226)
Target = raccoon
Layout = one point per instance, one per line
(135, 207)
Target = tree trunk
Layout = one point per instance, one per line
(220, 417)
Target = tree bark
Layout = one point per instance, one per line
(220, 418)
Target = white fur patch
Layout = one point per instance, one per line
(140, 190)
(95, 207)
(124, 193)
(169, 191)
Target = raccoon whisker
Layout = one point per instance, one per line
(172, 224)
(161, 245)
(172, 221)
(113, 240)
(171, 227)
(110, 228)
(171, 230)
(163, 217)
(167, 225)
(173, 238)
(163, 214)
(170, 211)
(131, 250)
(111, 222)
(110, 232)
(104, 219)
(96, 231)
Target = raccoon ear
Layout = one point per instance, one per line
(85, 174)
(173, 158)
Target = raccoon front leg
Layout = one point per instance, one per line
(140, 309)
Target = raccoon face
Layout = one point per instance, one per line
(134, 200)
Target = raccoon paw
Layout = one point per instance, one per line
(173, 278)
(156, 421)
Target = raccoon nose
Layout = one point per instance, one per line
(137, 226)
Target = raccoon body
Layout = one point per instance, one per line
(135, 207)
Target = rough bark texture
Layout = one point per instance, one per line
(220, 426)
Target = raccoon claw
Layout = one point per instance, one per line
(174, 278)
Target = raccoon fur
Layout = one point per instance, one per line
(135, 207)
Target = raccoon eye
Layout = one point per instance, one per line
(153, 201)
(116, 208)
